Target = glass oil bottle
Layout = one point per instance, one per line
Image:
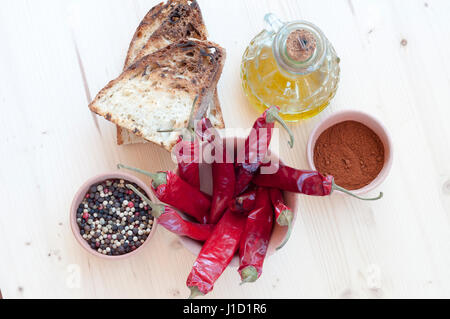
(291, 65)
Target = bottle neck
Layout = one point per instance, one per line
(299, 48)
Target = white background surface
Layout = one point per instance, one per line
(340, 247)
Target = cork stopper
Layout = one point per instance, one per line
(300, 45)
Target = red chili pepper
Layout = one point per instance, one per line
(256, 236)
(223, 189)
(172, 190)
(216, 253)
(222, 172)
(172, 221)
(283, 214)
(205, 130)
(244, 202)
(188, 167)
(302, 181)
(255, 150)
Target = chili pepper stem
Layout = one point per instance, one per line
(186, 133)
(195, 292)
(285, 219)
(286, 238)
(341, 189)
(158, 178)
(192, 114)
(157, 209)
(273, 115)
(169, 130)
(249, 274)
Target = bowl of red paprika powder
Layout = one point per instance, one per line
(354, 147)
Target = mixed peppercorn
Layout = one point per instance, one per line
(244, 206)
(112, 219)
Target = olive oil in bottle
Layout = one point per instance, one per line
(291, 65)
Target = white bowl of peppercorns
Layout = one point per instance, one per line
(109, 220)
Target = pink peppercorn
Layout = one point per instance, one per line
(85, 215)
(130, 204)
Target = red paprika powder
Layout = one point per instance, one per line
(351, 152)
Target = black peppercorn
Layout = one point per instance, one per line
(99, 214)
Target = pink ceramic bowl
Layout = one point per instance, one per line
(278, 234)
(79, 197)
(366, 119)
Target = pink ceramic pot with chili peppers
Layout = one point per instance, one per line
(279, 233)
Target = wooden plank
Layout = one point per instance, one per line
(56, 55)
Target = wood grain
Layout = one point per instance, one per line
(57, 54)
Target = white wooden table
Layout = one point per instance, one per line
(56, 55)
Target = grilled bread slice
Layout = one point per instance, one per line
(157, 92)
(163, 25)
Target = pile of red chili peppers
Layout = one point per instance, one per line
(244, 206)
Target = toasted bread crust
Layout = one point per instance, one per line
(184, 21)
(216, 112)
(119, 136)
(199, 62)
(143, 33)
(172, 21)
